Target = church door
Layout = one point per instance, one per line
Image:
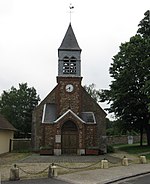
(69, 138)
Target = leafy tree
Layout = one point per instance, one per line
(112, 127)
(144, 31)
(95, 94)
(144, 25)
(17, 106)
(118, 127)
(129, 94)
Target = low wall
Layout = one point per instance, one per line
(21, 144)
(124, 139)
(25, 144)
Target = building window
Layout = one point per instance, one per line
(69, 65)
(88, 117)
(49, 113)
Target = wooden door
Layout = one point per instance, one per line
(69, 138)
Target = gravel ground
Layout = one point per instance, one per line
(35, 163)
(36, 158)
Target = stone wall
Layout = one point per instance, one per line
(65, 100)
(123, 139)
(89, 105)
(37, 120)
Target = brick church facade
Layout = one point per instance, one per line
(68, 120)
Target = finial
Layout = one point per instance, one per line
(71, 7)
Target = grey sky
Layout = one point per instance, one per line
(32, 30)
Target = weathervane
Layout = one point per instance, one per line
(71, 7)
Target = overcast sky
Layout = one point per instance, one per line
(32, 30)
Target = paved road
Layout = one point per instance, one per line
(145, 179)
(137, 180)
(36, 181)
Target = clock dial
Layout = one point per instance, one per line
(69, 88)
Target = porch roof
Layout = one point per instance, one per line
(67, 112)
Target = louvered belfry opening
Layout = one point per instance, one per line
(69, 65)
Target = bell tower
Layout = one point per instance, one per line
(69, 74)
(69, 60)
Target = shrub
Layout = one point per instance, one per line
(110, 149)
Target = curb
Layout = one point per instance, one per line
(126, 177)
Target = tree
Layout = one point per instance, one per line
(128, 95)
(94, 93)
(144, 25)
(17, 106)
(118, 127)
(144, 31)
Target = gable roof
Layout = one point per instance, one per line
(5, 125)
(69, 42)
(67, 112)
(92, 100)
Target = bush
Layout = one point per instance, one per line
(110, 149)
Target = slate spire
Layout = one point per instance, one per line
(69, 42)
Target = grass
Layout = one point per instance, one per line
(134, 149)
(10, 158)
(148, 156)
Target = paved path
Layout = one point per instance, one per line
(105, 176)
(98, 176)
(36, 158)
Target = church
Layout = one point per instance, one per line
(68, 120)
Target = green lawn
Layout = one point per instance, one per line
(135, 149)
(148, 156)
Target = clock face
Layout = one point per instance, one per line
(69, 88)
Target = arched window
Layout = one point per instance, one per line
(72, 65)
(69, 65)
(65, 65)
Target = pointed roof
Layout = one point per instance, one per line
(5, 124)
(69, 42)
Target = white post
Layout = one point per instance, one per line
(143, 160)
(104, 164)
(125, 161)
(14, 173)
(52, 171)
(0, 177)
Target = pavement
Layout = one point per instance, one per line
(82, 173)
(106, 176)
